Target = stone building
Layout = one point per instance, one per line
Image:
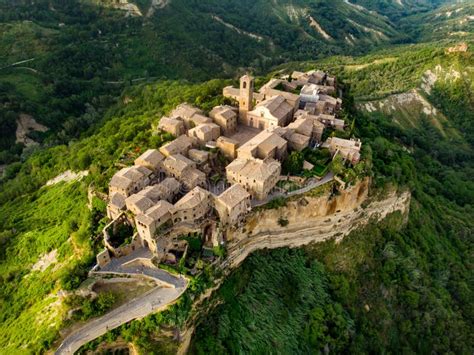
(273, 88)
(190, 115)
(268, 108)
(331, 121)
(232, 205)
(149, 222)
(138, 204)
(193, 177)
(270, 113)
(226, 118)
(349, 149)
(151, 159)
(205, 132)
(129, 180)
(245, 97)
(185, 111)
(192, 207)
(180, 145)
(227, 146)
(258, 177)
(265, 145)
(176, 164)
(184, 170)
(198, 156)
(116, 205)
(165, 190)
(298, 141)
(316, 77)
(173, 126)
(308, 125)
(331, 105)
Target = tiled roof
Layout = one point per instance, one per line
(233, 195)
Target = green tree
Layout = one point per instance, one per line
(293, 164)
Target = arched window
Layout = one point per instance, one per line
(244, 85)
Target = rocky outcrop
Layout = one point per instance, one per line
(26, 124)
(312, 219)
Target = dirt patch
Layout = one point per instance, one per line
(375, 62)
(238, 30)
(313, 23)
(26, 124)
(156, 5)
(45, 261)
(67, 176)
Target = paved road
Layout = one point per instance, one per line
(155, 299)
(150, 302)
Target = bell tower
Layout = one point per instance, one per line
(246, 97)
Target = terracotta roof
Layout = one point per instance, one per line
(302, 126)
(178, 145)
(265, 141)
(224, 111)
(193, 177)
(199, 119)
(299, 139)
(329, 99)
(204, 128)
(166, 122)
(162, 191)
(171, 184)
(199, 156)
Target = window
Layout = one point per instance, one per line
(244, 85)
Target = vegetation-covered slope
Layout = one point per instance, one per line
(82, 53)
(45, 236)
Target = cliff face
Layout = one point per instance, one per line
(312, 219)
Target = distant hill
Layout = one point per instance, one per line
(81, 53)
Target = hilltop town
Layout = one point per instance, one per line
(222, 165)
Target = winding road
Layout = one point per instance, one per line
(170, 289)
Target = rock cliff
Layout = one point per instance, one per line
(312, 219)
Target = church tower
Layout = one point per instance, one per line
(245, 98)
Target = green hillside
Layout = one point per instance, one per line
(177, 39)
